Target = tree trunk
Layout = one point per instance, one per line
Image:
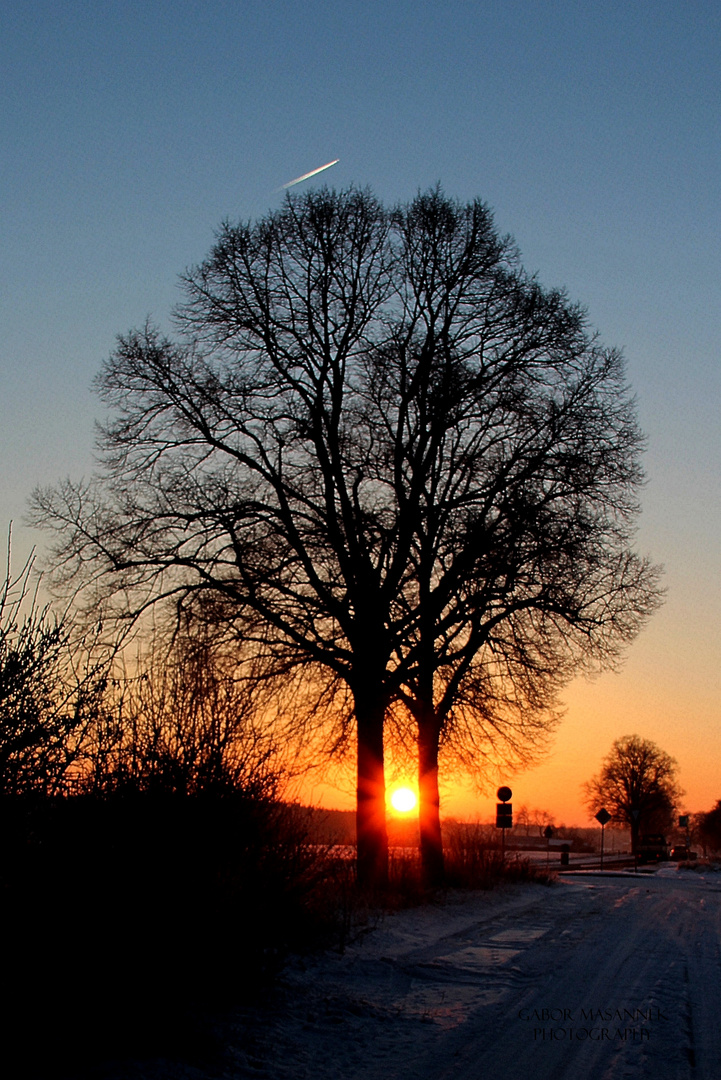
(372, 835)
(635, 832)
(429, 819)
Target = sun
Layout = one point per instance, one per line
(403, 800)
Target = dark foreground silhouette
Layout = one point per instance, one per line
(127, 920)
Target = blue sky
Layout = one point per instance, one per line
(130, 130)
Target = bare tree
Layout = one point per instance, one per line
(237, 462)
(181, 717)
(542, 819)
(523, 818)
(637, 785)
(397, 462)
(50, 687)
(516, 451)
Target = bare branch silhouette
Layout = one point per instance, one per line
(393, 459)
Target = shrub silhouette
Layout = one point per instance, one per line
(126, 917)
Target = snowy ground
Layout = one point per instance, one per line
(600, 978)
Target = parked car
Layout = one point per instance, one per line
(680, 853)
(652, 848)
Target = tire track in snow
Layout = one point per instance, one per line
(628, 954)
(459, 993)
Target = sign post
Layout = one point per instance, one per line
(548, 833)
(603, 817)
(683, 822)
(635, 814)
(504, 816)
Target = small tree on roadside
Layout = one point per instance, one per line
(50, 689)
(637, 785)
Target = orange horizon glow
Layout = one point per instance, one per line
(640, 700)
(667, 691)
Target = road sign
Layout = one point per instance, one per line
(504, 815)
(504, 794)
(635, 814)
(602, 817)
(683, 821)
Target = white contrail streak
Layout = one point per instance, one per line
(307, 176)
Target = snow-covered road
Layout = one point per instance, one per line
(595, 978)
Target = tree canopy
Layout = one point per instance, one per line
(380, 451)
(637, 785)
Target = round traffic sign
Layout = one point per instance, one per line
(504, 794)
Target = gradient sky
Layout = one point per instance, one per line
(131, 129)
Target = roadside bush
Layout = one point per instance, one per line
(127, 918)
(474, 861)
(51, 682)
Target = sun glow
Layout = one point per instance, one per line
(403, 800)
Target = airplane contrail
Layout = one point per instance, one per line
(307, 176)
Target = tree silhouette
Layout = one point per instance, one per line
(708, 826)
(181, 718)
(50, 688)
(396, 462)
(637, 785)
(515, 451)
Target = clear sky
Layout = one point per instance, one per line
(129, 130)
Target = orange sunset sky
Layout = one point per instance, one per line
(667, 690)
